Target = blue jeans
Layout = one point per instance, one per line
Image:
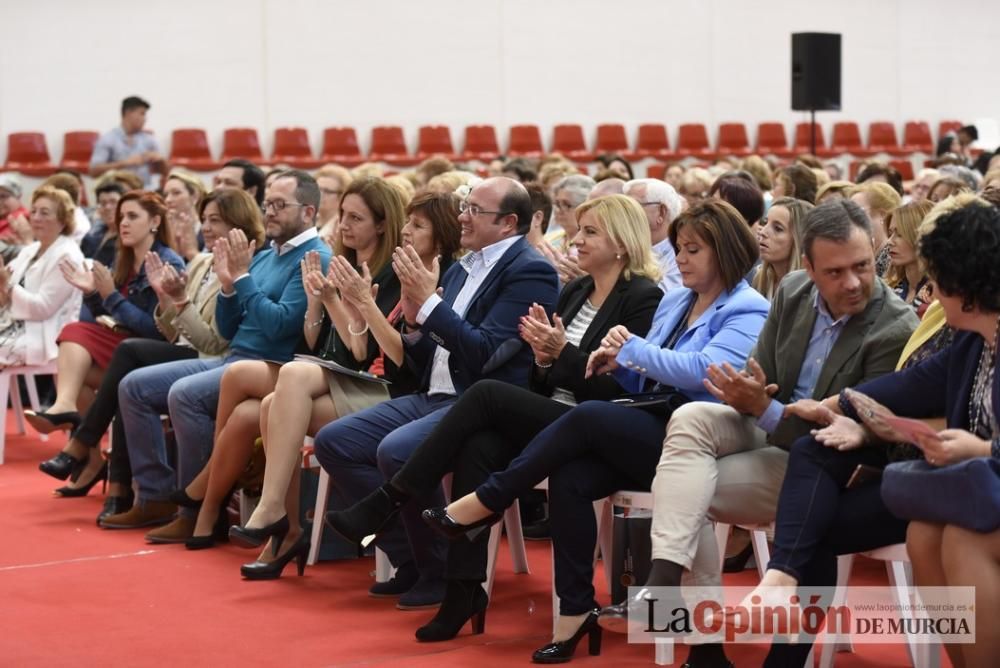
(189, 391)
(363, 450)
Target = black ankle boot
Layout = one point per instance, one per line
(463, 600)
(368, 516)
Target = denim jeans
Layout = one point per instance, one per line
(363, 450)
(189, 391)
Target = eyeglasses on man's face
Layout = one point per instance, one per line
(277, 205)
(474, 210)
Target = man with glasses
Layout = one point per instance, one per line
(100, 242)
(260, 309)
(466, 333)
(662, 205)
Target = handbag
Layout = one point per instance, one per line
(662, 404)
(966, 494)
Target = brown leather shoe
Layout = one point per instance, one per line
(141, 514)
(177, 531)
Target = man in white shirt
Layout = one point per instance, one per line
(467, 332)
(662, 205)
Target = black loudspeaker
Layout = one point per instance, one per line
(815, 71)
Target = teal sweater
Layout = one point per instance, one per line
(264, 317)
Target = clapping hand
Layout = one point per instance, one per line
(79, 276)
(174, 283)
(240, 252)
(355, 288)
(5, 275)
(546, 341)
(104, 282)
(568, 268)
(154, 272)
(314, 282)
(418, 283)
(220, 264)
(749, 393)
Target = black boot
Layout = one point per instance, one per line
(463, 600)
(369, 515)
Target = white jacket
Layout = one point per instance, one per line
(46, 302)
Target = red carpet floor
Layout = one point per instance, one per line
(75, 595)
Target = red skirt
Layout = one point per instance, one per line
(99, 341)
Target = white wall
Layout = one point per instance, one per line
(65, 64)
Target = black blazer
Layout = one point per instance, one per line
(631, 303)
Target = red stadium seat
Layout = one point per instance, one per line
(882, 138)
(568, 140)
(652, 142)
(944, 127)
(525, 140)
(435, 140)
(241, 143)
(803, 138)
(27, 153)
(657, 170)
(389, 146)
(340, 146)
(692, 141)
(847, 139)
(733, 140)
(78, 146)
(481, 143)
(771, 139)
(291, 147)
(904, 167)
(189, 148)
(611, 138)
(917, 138)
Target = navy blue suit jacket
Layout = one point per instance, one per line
(486, 343)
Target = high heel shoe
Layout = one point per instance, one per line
(251, 538)
(740, 561)
(562, 651)
(220, 530)
(83, 490)
(368, 516)
(62, 466)
(181, 498)
(271, 570)
(464, 600)
(440, 521)
(46, 423)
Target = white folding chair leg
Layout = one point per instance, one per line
(899, 578)
(838, 642)
(664, 652)
(515, 539)
(319, 513)
(605, 536)
(4, 392)
(722, 538)
(383, 567)
(491, 555)
(29, 381)
(761, 552)
(15, 403)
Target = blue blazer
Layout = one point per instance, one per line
(725, 332)
(941, 385)
(486, 342)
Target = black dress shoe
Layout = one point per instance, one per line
(220, 532)
(562, 651)
(260, 570)
(62, 466)
(251, 538)
(115, 504)
(439, 520)
(180, 497)
(406, 576)
(463, 600)
(46, 423)
(740, 561)
(368, 516)
(84, 489)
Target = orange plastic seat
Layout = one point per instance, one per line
(692, 141)
(189, 148)
(882, 138)
(904, 167)
(291, 147)
(733, 140)
(389, 146)
(481, 143)
(657, 170)
(526, 141)
(771, 139)
(568, 140)
(652, 142)
(78, 146)
(435, 140)
(802, 139)
(611, 138)
(241, 143)
(944, 127)
(847, 139)
(28, 153)
(340, 146)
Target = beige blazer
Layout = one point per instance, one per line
(197, 320)
(46, 302)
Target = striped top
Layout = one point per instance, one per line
(574, 334)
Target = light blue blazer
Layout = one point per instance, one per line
(725, 332)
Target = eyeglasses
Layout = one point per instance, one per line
(474, 211)
(563, 205)
(649, 203)
(278, 205)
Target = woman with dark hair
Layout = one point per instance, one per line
(796, 181)
(740, 190)
(818, 518)
(117, 305)
(715, 317)
(617, 165)
(185, 316)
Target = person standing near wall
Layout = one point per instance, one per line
(128, 146)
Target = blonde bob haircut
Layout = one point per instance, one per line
(335, 171)
(63, 203)
(628, 228)
(766, 279)
(907, 219)
(882, 198)
(194, 185)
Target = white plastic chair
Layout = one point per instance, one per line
(9, 388)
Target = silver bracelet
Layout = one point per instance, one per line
(353, 333)
(543, 366)
(312, 325)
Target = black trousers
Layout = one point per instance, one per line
(818, 519)
(130, 354)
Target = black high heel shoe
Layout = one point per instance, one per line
(220, 530)
(46, 423)
(464, 600)
(251, 538)
(259, 570)
(83, 490)
(740, 561)
(562, 651)
(181, 498)
(368, 516)
(440, 521)
(62, 466)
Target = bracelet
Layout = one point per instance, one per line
(312, 325)
(543, 366)
(353, 333)
(179, 306)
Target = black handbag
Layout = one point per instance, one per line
(966, 494)
(662, 404)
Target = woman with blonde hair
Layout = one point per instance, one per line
(779, 236)
(332, 180)
(182, 193)
(877, 199)
(906, 276)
